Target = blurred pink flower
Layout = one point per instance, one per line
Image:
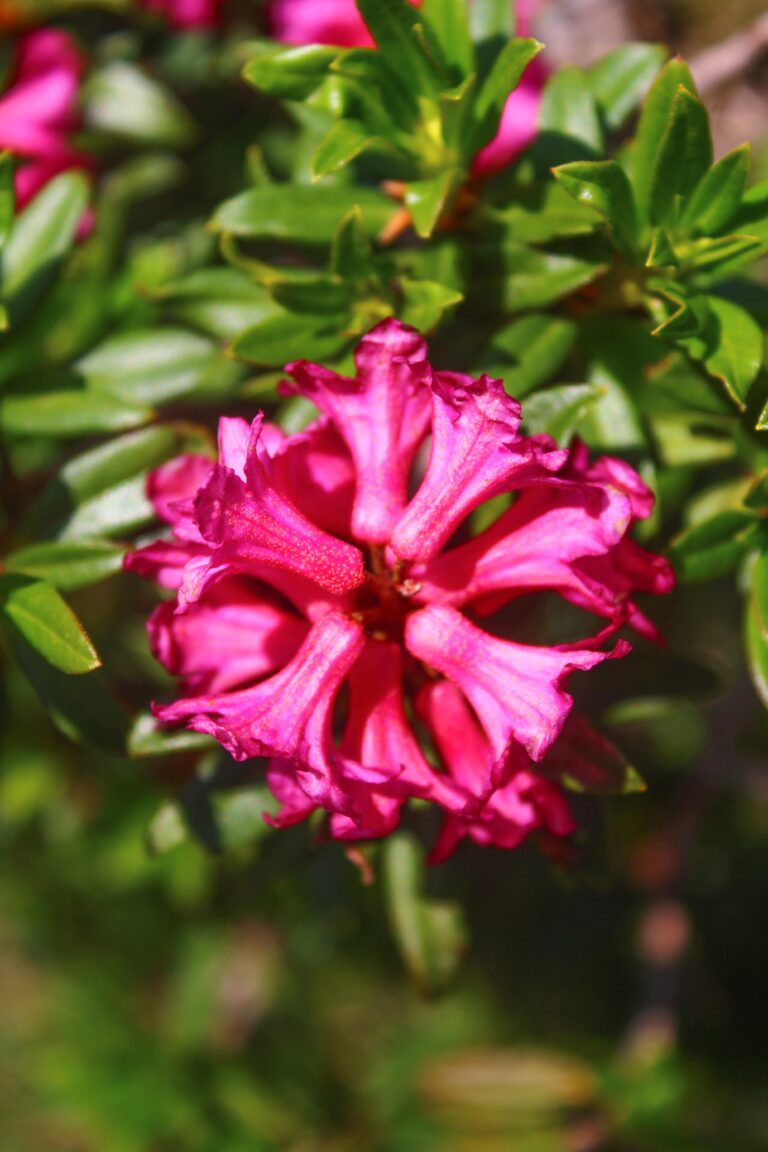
(38, 110)
(306, 564)
(187, 13)
(338, 23)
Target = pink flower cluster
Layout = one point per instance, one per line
(185, 14)
(339, 23)
(328, 616)
(38, 110)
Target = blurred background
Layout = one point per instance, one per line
(161, 996)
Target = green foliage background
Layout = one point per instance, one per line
(175, 977)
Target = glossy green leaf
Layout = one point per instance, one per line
(537, 278)
(620, 79)
(240, 816)
(654, 118)
(153, 366)
(752, 216)
(40, 238)
(289, 336)
(300, 213)
(290, 73)
(559, 411)
(537, 345)
(505, 75)
(731, 347)
(124, 101)
(683, 157)
(569, 121)
(425, 303)
(47, 624)
(449, 21)
(167, 829)
(717, 198)
(397, 28)
(430, 934)
(7, 197)
(603, 185)
(346, 140)
(427, 200)
(352, 254)
(75, 413)
(67, 566)
(109, 464)
(114, 512)
(713, 549)
(759, 594)
(218, 301)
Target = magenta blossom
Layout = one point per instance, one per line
(339, 23)
(329, 597)
(38, 110)
(186, 14)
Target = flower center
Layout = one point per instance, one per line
(384, 601)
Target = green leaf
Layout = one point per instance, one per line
(505, 75)
(430, 935)
(683, 157)
(757, 496)
(604, 186)
(300, 213)
(153, 366)
(492, 23)
(40, 238)
(654, 118)
(717, 198)
(731, 347)
(537, 345)
(346, 140)
(396, 26)
(713, 549)
(74, 413)
(82, 707)
(123, 458)
(167, 829)
(425, 303)
(7, 197)
(584, 760)
(569, 121)
(752, 216)
(540, 214)
(123, 101)
(114, 512)
(219, 301)
(620, 79)
(290, 73)
(148, 738)
(289, 336)
(759, 594)
(449, 22)
(427, 200)
(352, 255)
(559, 411)
(68, 566)
(536, 279)
(47, 623)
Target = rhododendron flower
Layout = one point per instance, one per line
(187, 13)
(38, 110)
(339, 23)
(330, 598)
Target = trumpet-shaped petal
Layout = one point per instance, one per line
(511, 813)
(315, 470)
(515, 689)
(232, 637)
(252, 526)
(476, 454)
(382, 415)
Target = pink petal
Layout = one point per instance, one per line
(515, 689)
(476, 454)
(165, 562)
(172, 488)
(533, 545)
(287, 716)
(316, 472)
(234, 636)
(517, 128)
(253, 526)
(382, 416)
